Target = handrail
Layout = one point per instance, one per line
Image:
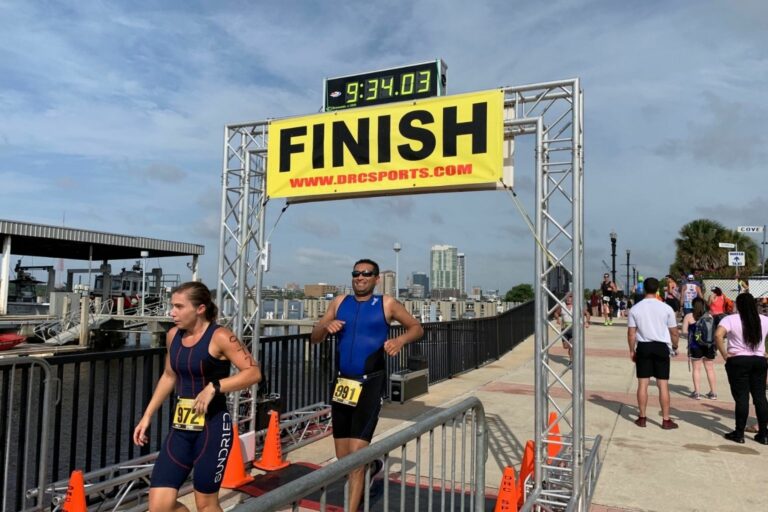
(292, 492)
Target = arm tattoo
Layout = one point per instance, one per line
(242, 348)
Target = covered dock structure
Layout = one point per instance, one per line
(27, 239)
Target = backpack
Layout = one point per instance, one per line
(705, 335)
(727, 305)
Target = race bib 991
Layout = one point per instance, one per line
(347, 391)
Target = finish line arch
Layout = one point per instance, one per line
(552, 113)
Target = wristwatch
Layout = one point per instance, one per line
(216, 386)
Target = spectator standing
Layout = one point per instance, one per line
(740, 339)
(717, 304)
(652, 336)
(594, 303)
(698, 353)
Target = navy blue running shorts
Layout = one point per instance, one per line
(206, 452)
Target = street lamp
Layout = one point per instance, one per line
(397, 248)
(627, 290)
(144, 255)
(613, 256)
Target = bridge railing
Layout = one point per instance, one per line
(438, 462)
(103, 394)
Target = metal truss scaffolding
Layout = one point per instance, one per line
(552, 112)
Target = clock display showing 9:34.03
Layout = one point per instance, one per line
(384, 87)
(387, 86)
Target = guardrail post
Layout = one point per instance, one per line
(84, 330)
(449, 348)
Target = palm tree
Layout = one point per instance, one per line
(698, 250)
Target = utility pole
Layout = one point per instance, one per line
(628, 286)
(613, 256)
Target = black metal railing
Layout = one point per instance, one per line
(103, 394)
(302, 373)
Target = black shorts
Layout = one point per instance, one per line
(360, 421)
(696, 351)
(652, 360)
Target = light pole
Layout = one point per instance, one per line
(397, 248)
(144, 255)
(613, 256)
(628, 287)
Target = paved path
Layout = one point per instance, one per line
(689, 469)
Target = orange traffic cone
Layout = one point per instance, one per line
(75, 498)
(507, 499)
(272, 454)
(234, 473)
(526, 470)
(554, 446)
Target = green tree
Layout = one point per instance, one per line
(698, 250)
(519, 293)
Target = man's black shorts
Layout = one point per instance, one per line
(360, 421)
(652, 360)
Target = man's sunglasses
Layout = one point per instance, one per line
(364, 273)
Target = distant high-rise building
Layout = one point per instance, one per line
(461, 273)
(443, 270)
(422, 279)
(387, 282)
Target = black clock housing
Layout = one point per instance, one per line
(423, 80)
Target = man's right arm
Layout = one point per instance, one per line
(328, 324)
(631, 341)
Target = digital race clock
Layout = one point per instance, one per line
(388, 86)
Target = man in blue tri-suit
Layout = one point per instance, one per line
(361, 322)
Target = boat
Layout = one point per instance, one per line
(10, 340)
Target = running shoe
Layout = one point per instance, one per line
(668, 424)
(711, 395)
(695, 395)
(640, 421)
(735, 437)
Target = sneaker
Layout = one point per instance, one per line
(761, 438)
(640, 421)
(376, 467)
(695, 395)
(711, 395)
(735, 437)
(668, 424)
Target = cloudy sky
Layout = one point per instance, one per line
(112, 114)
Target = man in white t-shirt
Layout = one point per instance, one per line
(652, 336)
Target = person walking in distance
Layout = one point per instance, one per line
(672, 294)
(652, 336)
(197, 367)
(690, 291)
(607, 288)
(361, 325)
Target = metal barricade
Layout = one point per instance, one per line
(454, 453)
(26, 398)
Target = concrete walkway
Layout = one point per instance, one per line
(689, 469)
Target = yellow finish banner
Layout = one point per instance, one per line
(431, 145)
